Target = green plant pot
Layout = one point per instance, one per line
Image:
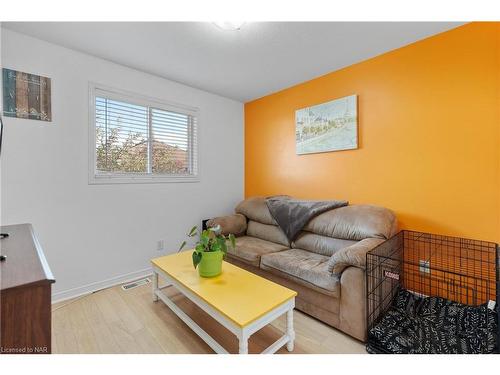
(210, 264)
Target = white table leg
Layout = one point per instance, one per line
(155, 285)
(243, 348)
(289, 330)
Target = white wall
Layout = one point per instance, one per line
(93, 233)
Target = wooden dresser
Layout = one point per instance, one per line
(25, 293)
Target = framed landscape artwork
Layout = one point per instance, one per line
(26, 95)
(331, 126)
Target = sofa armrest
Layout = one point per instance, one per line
(354, 255)
(235, 224)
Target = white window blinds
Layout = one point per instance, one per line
(143, 140)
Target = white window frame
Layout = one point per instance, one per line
(96, 90)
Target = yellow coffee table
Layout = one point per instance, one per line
(239, 300)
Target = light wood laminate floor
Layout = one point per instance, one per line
(118, 321)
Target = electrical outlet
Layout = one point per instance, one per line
(160, 245)
(424, 266)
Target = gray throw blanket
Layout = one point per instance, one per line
(293, 214)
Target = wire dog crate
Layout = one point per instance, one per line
(425, 286)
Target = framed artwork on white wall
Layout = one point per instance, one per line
(26, 95)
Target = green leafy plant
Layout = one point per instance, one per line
(210, 240)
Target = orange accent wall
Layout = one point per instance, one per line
(429, 135)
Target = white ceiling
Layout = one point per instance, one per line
(261, 58)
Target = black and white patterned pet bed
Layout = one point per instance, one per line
(417, 325)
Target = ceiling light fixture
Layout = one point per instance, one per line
(229, 25)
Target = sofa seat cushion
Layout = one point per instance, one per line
(250, 249)
(304, 267)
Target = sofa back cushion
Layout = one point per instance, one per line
(355, 222)
(255, 208)
(318, 244)
(267, 232)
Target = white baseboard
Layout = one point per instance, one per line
(89, 288)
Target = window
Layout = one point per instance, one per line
(136, 139)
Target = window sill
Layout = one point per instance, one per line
(107, 180)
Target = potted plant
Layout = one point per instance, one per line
(209, 250)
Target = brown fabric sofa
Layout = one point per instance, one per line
(325, 263)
